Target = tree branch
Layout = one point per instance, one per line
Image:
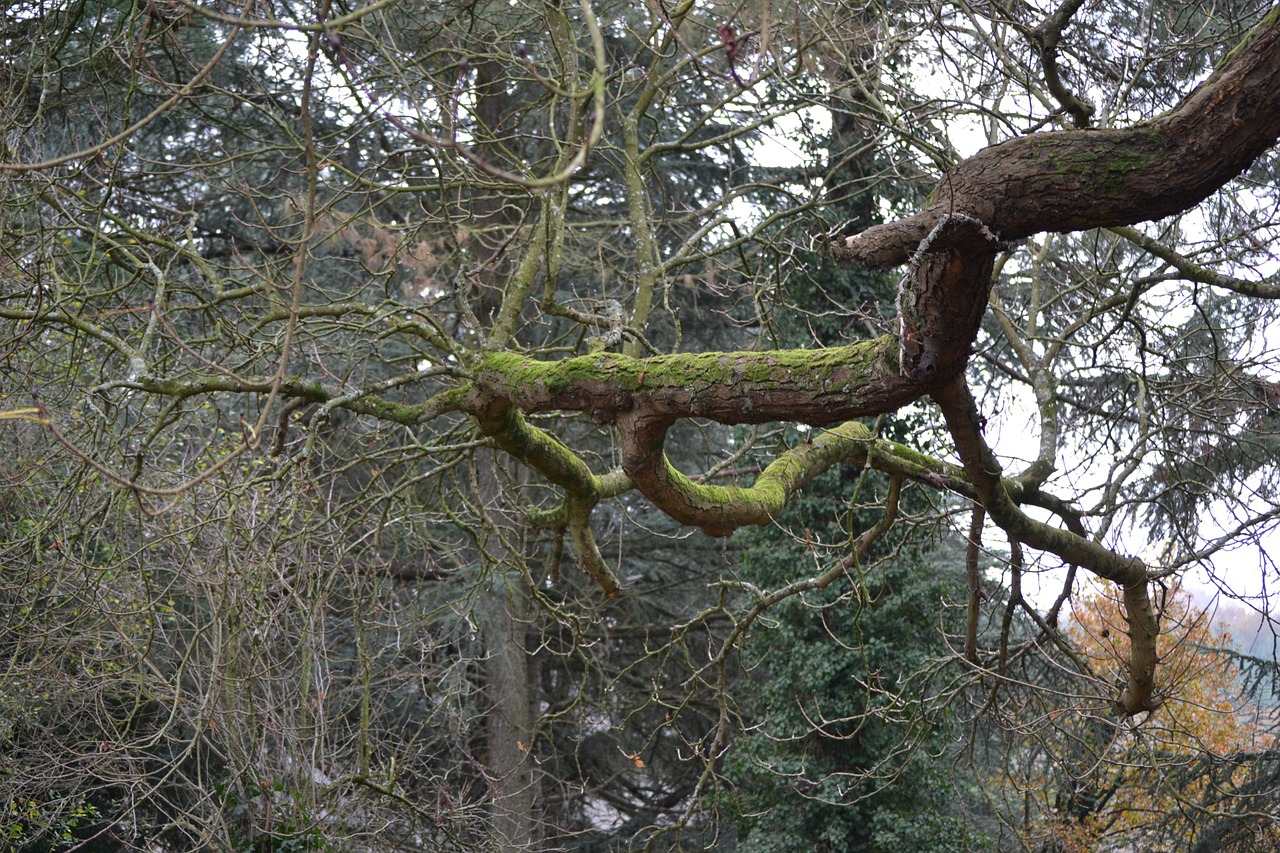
(1078, 179)
(961, 414)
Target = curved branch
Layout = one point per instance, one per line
(1130, 573)
(1046, 37)
(720, 510)
(547, 455)
(1072, 180)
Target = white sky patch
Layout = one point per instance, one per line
(1244, 569)
(966, 133)
(781, 146)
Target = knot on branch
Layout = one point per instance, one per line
(942, 295)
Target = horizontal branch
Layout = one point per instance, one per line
(302, 389)
(816, 387)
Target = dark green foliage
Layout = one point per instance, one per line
(846, 757)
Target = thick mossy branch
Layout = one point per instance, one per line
(720, 510)
(538, 449)
(818, 387)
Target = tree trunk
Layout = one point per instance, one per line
(503, 615)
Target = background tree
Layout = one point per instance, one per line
(846, 753)
(355, 331)
(1092, 785)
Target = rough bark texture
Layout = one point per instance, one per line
(818, 387)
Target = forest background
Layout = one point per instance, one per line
(498, 425)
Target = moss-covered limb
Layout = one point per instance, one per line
(579, 519)
(547, 455)
(785, 476)
(961, 414)
(538, 449)
(610, 485)
(720, 510)
(818, 387)
(1072, 180)
(1195, 272)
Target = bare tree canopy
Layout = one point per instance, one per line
(325, 327)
